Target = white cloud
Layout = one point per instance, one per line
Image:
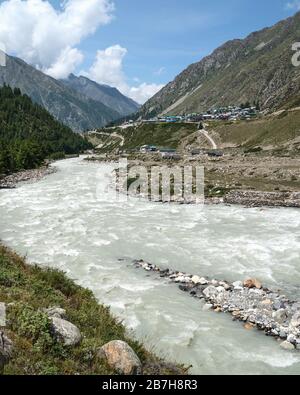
(144, 91)
(48, 38)
(45, 37)
(293, 5)
(67, 62)
(108, 69)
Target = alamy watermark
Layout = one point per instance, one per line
(182, 184)
(2, 55)
(296, 56)
(2, 315)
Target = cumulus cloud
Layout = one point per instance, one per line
(67, 62)
(108, 69)
(293, 5)
(45, 37)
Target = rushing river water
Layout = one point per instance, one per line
(60, 222)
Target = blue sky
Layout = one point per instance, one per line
(168, 35)
(139, 45)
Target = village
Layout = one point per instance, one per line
(243, 112)
(229, 113)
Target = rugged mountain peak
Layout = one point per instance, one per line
(69, 106)
(109, 96)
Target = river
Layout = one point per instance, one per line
(62, 222)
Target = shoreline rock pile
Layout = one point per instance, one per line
(11, 181)
(248, 302)
(262, 199)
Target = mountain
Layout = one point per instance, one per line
(68, 106)
(105, 94)
(29, 134)
(257, 68)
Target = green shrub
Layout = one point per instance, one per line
(34, 325)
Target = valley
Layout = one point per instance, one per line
(81, 210)
(260, 155)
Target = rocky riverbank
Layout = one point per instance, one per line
(11, 181)
(261, 199)
(51, 326)
(214, 195)
(248, 302)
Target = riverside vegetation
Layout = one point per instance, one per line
(57, 327)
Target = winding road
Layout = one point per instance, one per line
(205, 133)
(116, 135)
(207, 136)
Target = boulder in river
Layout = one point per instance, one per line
(237, 285)
(121, 358)
(207, 307)
(66, 332)
(199, 280)
(295, 321)
(287, 346)
(252, 283)
(280, 316)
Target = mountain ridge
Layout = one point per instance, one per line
(67, 105)
(256, 68)
(109, 96)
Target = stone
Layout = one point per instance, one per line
(56, 312)
(280, 316)
(282, 335)
(121, 358)
(295, 321)
(287, 346)
(185, 287)
(249, 327)
(252, 283)
(180, 279)
(292, 339)
(210, 292)
(238, 285)
(216, 295)
(207, 307)
(66, 332)
(197, 280)
(267, 302)
(225, 285)
(6, 348)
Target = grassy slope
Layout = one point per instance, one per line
(161, 135)
(31, 288)
(280, 131)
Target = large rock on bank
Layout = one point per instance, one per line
(6, 348)
(66, 332)
(121, 358)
